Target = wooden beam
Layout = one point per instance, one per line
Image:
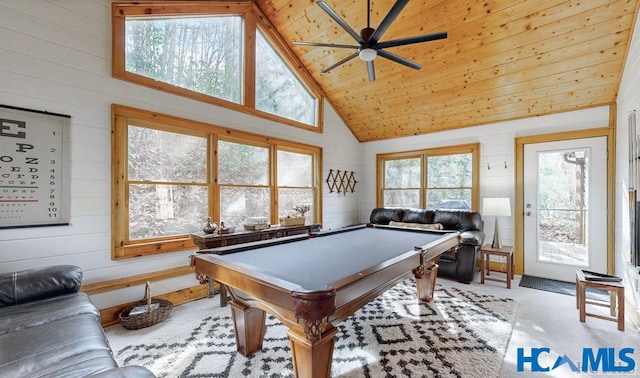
(139, 279)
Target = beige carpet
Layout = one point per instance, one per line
(462, 333)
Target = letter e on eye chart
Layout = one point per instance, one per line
(34, 168)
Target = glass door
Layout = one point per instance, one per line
(565, 222)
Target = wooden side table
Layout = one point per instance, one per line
(615, 289)
(485, 254)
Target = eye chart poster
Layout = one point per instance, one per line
(34, 168)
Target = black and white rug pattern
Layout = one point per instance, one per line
(460, 333)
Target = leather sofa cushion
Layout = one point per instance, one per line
(70, 347)
(451, 219)
(34, 284)
(459, 220)
(33, 314)
(384, 215)
(419, 216)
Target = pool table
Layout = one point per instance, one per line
(312, 282)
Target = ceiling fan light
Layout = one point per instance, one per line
(368, 54)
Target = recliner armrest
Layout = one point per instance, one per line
(40, 283)
(472, 237)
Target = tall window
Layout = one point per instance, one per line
(402, 182)
(243, 176)
(449, 177)
(170, 174)
(295, 183)
(218, 52)
(166, 182)
(429, 178)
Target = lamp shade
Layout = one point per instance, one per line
(496, 206)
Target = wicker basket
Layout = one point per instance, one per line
(292, 221)
(148, 318)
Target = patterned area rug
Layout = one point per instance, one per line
(460, 333)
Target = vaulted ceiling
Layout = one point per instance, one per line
(503, 59)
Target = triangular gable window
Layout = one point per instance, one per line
(278, 90)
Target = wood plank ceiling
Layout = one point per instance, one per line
(503, 59)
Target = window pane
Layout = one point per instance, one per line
(563, 206)
(295, 169)
(402, 198)
(202, 54)
(239, 203)
(156, 155)
(450, 171)
(289, 199)
(166, 210)
(402, 173)
(242, 164)
(435, 196)
(278, 90)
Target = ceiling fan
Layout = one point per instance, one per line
(369, 45)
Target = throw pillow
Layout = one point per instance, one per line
(421, 226)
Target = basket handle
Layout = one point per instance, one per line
(147, 295)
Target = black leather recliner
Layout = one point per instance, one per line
(462, 264)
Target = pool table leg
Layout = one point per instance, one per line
(248, 323)
(426, 281)
(312, 359)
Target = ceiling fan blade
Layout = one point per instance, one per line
(343, 61)
(399, 59)
(332, 45)
(372, 72)
(388, 19)
(410, 40)
(340, 21)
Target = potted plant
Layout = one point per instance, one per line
(302, 209)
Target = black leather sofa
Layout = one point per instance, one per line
(48, 328)
(462, 264)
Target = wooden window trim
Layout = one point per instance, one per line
(122, 116)
(253, 18)
(473, 148)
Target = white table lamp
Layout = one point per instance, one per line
(496, 207)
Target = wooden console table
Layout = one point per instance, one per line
(206, 241)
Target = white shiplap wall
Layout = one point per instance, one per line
(55, 55)
(628, 100)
